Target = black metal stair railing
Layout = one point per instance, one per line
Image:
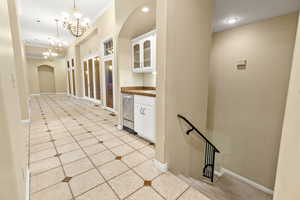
(210, 151)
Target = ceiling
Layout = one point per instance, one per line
(251, 11)
(37, 34)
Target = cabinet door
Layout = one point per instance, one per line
(136, 56)
(147, 52)
(148, 115)
(138, 119)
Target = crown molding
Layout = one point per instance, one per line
(36, 45)
(41, 57)
(100, 13)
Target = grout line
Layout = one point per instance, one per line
(64, 172)
(132, 169)
(108, 126)
(91, 161)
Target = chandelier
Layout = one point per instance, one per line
(74, 22)
(50, 54)
(55, 42)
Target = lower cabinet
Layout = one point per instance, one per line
(144, 117)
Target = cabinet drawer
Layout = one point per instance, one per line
(144, 100)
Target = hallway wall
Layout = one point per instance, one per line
(246, 107)
(13, 153)
(60, 74)
(20, 59)
(287, 182)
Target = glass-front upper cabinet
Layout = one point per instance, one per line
(108, 47)
(147, 53)
(136, 56)
(143, 53)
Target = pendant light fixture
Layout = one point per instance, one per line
(56, 42)
(74, 22)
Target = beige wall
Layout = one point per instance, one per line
(60, 73)
(287, 184)
(22, 79)
(13, 154)
(182, 81)
(246, 107)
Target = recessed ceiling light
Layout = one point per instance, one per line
(145, 9)
(232, 20)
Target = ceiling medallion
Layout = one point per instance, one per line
(75, 23)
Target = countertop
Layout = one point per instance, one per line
(144, 91)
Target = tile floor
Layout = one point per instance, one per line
(76, 152)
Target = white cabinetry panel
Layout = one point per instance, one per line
(144, 117)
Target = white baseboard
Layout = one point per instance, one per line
(109, 109)
(47, 93)
(120, 127)
(64, 93)
(35, 94)
(248, 181)
(220, 173)
(161, 166)
(26, 121)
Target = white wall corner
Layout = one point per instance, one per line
(161, 166)
(248, 181)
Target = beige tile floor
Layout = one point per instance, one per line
(76, 152)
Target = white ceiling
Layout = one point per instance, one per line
(47, 10)
(251, 10)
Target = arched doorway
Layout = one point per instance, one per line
(46, 79)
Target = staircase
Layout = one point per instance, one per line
(210, 151)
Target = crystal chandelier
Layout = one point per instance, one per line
(50, 54)
(75, 23)
(56, 43)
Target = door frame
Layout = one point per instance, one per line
(86, 59)
(103, 60)
(70, 71)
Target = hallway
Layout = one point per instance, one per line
(76, 152)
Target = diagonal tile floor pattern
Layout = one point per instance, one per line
(77, 153)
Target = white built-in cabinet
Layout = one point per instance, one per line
(144, 53)
(144, 117)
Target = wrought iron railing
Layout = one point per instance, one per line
(210, 151)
